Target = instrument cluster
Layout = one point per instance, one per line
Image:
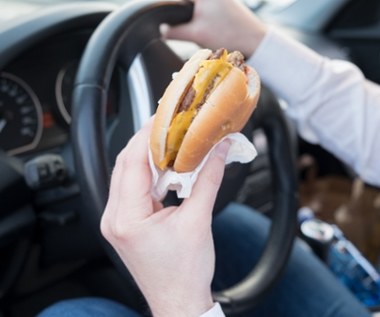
(35, 95)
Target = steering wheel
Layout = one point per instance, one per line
(132, 31)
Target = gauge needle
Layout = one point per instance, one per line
(3, 123)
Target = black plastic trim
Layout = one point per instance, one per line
(28, 31)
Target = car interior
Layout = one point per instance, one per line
(79, 78)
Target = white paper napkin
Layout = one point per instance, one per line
(241, 150)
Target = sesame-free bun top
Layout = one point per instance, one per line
(226, 110)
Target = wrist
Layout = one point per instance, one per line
(254, 38)
(171, 306)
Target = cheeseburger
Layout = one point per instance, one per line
(214, 94)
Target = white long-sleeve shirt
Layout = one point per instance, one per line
(330, 100)
(215, 311)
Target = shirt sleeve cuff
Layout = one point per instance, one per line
(215, 311)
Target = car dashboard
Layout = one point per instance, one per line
(35, 96)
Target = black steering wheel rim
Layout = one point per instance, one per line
(88, 131)
(270, 118)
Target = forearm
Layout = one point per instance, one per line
(331, 102)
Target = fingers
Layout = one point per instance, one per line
(204, 192)
(130, 198)
(184, 31)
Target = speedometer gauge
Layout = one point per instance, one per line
(20, 115)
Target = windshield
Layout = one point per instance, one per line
(15, 8)
(251, 3)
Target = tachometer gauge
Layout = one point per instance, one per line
(20, 115)
(63, 89)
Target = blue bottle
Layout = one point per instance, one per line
(342, 257)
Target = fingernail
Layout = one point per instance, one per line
(221, 149)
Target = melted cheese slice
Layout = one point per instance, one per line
(211, 72)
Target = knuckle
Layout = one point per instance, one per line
(121, 158)
(106, 229)
(113, 233)
(119, 232)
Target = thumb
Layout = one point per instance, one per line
(208, 183)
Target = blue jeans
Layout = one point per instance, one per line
(307, 287)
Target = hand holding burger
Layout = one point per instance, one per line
(172, 266)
